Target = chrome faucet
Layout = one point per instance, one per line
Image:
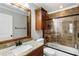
(18, 43)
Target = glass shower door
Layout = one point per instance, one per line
(68, 31)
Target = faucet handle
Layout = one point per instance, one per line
(19, 42)
(16, 43)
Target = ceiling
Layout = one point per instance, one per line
(50, 7)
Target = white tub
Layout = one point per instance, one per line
(52, 52)
(49, 51)
(64, 48)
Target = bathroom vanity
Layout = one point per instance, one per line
(30, 48)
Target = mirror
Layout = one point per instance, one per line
(14, 22)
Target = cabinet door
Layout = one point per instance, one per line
(38, 19)
(37, 52)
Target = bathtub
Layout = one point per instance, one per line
(47, 51)
(53, 52)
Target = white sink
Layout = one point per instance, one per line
(20, 49)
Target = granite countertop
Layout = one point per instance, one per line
(8, 51)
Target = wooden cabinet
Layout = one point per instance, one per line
(37, 52)
(43, 22)
(40, 14)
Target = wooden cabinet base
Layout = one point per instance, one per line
(37, 52)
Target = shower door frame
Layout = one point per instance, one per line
(75, 43)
